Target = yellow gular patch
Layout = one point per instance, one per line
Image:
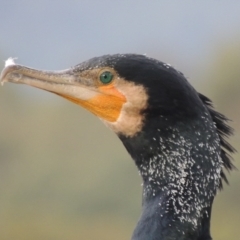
(106, 105)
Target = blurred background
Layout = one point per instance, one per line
(63, 174)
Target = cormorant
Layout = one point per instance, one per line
(176, 138)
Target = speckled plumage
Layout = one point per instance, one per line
(176, 138)
(179, 152)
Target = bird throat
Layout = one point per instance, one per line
(180, 168)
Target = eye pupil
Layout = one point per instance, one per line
(106, 77)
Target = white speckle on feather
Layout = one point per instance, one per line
(10, 61)
(171, 170)
(167, 65)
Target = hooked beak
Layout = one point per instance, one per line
(63, 83)
(105, 102)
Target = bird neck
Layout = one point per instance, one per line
(180, 167)
(160, 221)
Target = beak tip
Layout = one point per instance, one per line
(2, 77)
(9, 63)
(6, 71)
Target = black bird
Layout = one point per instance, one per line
(176, 138)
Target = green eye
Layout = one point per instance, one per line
(106, 77)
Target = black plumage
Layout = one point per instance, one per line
(180, 152)
(179, 145)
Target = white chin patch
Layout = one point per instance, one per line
(130, 120)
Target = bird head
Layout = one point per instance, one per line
(171, 131)
(120, 89)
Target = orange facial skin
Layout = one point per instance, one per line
(106, 105)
